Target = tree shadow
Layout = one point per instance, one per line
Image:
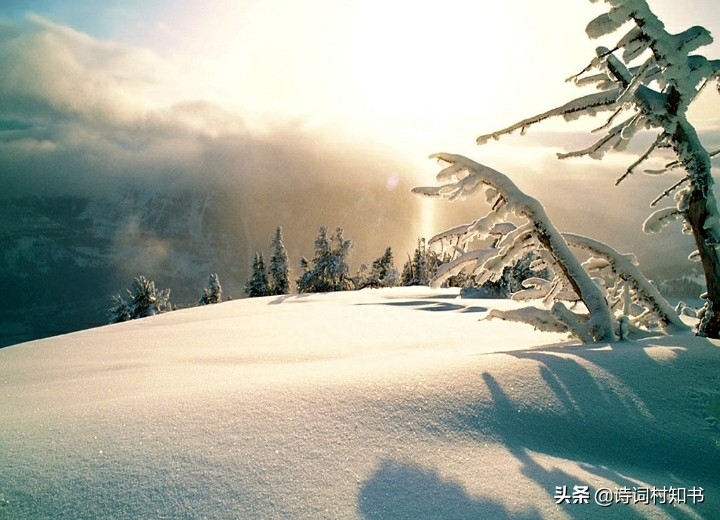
(283, 297)
(581, 392)
(402, 490)
(590, 387)
(591, 402)
(432, 306)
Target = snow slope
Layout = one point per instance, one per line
(395, 403)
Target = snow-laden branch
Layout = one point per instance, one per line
(640, 290)
(669, 190)
(469, 178)
(586, 105)
(652, 76)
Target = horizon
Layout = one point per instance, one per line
(320, 113)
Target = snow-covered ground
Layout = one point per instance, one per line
(399, 403)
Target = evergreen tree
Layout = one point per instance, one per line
(513, 276)
(278, 270)
(144, 300)
(329, 271)
(120, 311)
(383, 272)
(213, 292)
(304, 282)
(417, 270)
(258, 283)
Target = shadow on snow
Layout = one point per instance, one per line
(577, 417)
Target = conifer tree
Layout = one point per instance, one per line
(257, 285)
(213, 292)
(417, 270)
(278, 271)
(329, 271)
(383, 272)
(144, 300)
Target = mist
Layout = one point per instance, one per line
(113, 165)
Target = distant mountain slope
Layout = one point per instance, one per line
(63, 257)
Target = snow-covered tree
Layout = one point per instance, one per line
(279, 280)
(328, 270)
(647, 80)
(120, 310)
(257, 285)
(629, 294)
(515, 277)
(422, 266)
(143, 300)
(627, 303)
(416, 269)
(536, 232)
(382, 272)
(213, 292)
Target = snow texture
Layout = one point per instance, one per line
(374, 404)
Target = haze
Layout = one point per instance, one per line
(311, 113)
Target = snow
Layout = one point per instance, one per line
(538, 233)
(389, 403)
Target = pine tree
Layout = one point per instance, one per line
(213, 292)
(144, 300)
(383, 272)
(418, 269)
(329, 271)
(278, 270)
(304, 281)
(120, 311)
(258, 283)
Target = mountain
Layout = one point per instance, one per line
(63, 257)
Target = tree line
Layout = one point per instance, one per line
(327, 271)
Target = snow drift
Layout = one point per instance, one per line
(399, 403)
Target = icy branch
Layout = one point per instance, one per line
(539, 232)
(587, 105)
(642, 290)
(668, 191)
(660, 138)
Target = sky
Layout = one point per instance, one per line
(97, 93)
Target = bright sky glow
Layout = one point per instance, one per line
(390, 77)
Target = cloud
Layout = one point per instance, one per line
(82, 116)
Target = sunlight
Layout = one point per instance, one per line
(428, 227)
(411, 66)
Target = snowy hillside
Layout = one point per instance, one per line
(399, 403)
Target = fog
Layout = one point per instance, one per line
(119, 132)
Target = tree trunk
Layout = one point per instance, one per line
(696, 160)
(696, 216)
